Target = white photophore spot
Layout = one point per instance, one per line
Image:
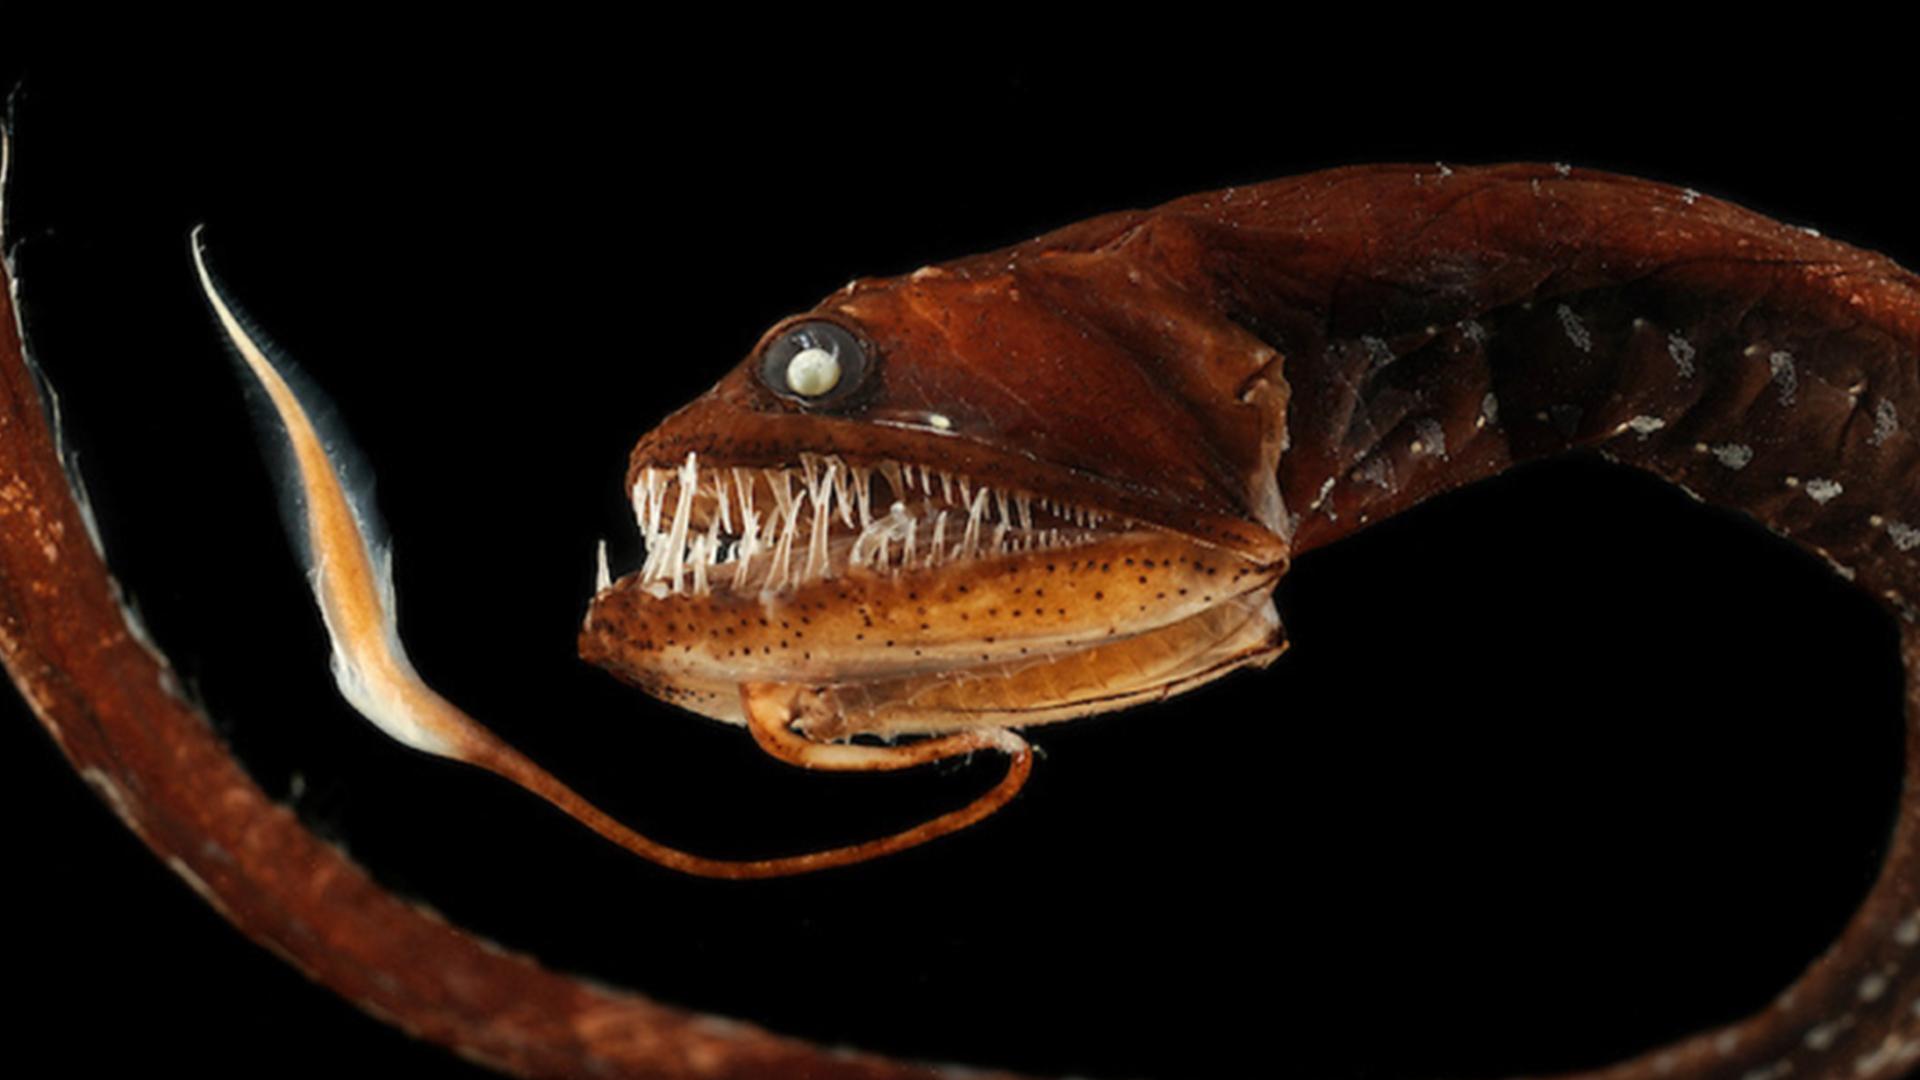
(1784, 375)
(1489, 410)
(1886, 421)
(1682, 352)
(1429, 438)
(1326, 489)
(1577, 331)
(1475, 332)
(1644, 426)
(1376, 471)
(1734, 456)
(1822, 1036)
(813, 372)
(1908, 932)
(1905, 537)
(1379, 353)
(1822, 490)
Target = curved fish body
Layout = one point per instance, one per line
(1063, 477)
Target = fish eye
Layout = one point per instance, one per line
(814, 363)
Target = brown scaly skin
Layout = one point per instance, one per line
(1401, 331)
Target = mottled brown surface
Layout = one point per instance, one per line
(112, 706)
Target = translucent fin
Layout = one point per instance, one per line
(327, 500)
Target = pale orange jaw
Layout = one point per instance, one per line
(957, 606)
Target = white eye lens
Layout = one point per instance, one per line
(815, 364)
(813, 372)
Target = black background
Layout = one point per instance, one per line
(1558, 768)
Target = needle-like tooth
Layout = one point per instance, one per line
(749, 544)
(843, 489)
(1000, 503)
(743, 484)
(789, 508)
(966, 493)
(602, 576)
(700, 557)
(974, 511)
(926, 480)
(822, 522)
(780, 483)
(677, 540)
(946, 487)
(713, 539)
(939, 538)
(656, 500)
(1000, 538)
(906, 547)
(906, 478)
(890, 472)
(725, 517)
(656, 558)
(1023, 504)
(863, 494)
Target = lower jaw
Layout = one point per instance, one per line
(1040, 687)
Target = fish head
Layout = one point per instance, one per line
(1023, 487)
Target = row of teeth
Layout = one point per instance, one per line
(775, 527)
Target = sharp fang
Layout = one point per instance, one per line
(720, 492)
(602, 576)
(974, 509)
(822, 490)
(939, 538)
(677, 541)
(749, 527)
(863, 491)
(843, 484)
(789, 508)
(890, 471)
(701, 556)
(713, 540)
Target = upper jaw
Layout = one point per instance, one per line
(725, 428)
(746, 529)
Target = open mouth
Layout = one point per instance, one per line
(898, 598)
(752, 530)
